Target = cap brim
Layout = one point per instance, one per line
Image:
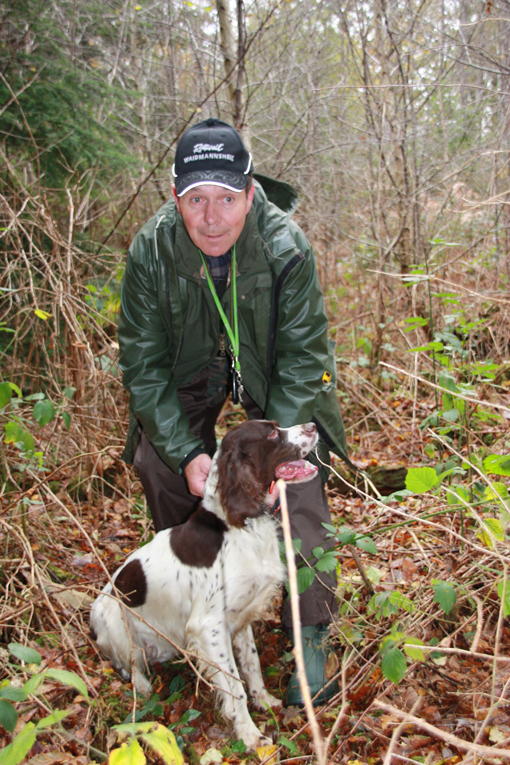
(224, 178)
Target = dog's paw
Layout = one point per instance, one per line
(251, 735)
(141, 683)
(264, 700)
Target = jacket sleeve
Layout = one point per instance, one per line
(301, 354)
(145, 343)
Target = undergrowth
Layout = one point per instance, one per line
(419, 533)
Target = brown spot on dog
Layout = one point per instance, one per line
(198, 541)
(131, 582)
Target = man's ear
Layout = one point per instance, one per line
(176, 198)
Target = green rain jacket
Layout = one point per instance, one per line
(169, 326)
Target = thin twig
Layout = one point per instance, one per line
(466, 746)
(296, 624)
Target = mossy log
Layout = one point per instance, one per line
(386, 478)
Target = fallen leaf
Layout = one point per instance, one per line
(50, 758)
(211, 755)
(265, 752)
(496, 735)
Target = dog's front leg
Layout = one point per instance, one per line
(210, 639)
(249, 664)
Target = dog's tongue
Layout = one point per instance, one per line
(295, 471)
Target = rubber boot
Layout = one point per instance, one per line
(316, 650)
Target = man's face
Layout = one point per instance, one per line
(214, 217)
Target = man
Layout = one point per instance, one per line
(221, 294)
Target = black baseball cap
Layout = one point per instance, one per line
(213, 153)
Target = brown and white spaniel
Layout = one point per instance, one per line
(203, 583)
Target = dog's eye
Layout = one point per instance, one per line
(274, 436)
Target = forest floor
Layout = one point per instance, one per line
(422, 639)
(451, 705)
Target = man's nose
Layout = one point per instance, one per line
(210, 213)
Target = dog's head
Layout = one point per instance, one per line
(252, 457)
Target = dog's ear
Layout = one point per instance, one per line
(239, 484)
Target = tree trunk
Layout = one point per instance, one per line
(234, 63)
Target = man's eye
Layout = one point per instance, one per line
(229, 199)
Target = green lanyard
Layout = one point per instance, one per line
(233, 334)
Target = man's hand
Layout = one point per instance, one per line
(196, 473)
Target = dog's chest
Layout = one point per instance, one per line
(252, 567)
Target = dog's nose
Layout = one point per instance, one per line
(310, 428)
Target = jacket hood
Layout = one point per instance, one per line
(281, 194)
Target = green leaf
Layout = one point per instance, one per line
(346, 536)
(239, 746)
(305, 577)
(447, 401)
(497, 464)
(15, 388)
(398, 496)
(8, 716)
(380, 605)
(457, 495)
(444, 594)
(189, 716)
(327, 563)
(394, 665)
(163, 742)
(504, 594)
(445, 381)
(5, 394)
(413, 650)
(67, 419)
(42, 314)
(421, 480)
(384, 604)
(415, 321)
(402, 601)
(15, 434)
(492, 528)
(374, 575)
(130, 753)
(33, 683)
(13, 694)
(56, 716)
(451, 471)
(497, 488)
(14, 753)
(69, 392)
(432, 346)
(366, 543)
(35, 397)
(318, 552)
(452, 415)
(291, 745)
(44, 412)
(25, 653)
(68, 678)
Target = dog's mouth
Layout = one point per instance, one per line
(296, 471)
